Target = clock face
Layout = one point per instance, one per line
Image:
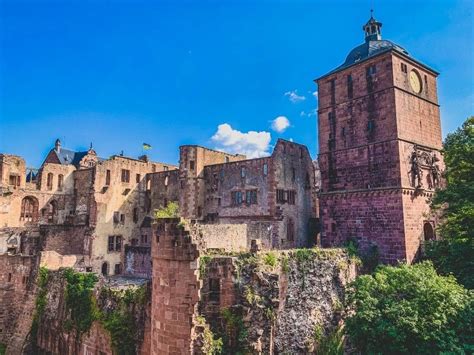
(415, 81)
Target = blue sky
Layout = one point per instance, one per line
(120, 73)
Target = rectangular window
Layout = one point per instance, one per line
(135, 215)
(404, 68)
(281, 196)
(426, 84)
(214, 290)
(251, 197)
(118, 243)
(236, 197)
(191, 165)
(333, 91)
(118, 269)
(144, 239)
(107, 178)
(291, 197)
(116, 217)
(122, 218)
(350, 91)
(371, 70)
(111, 243)
(265, 169)
(293, 174)
(138, 178)
(371, 126)
(242, 171)
(125, 175)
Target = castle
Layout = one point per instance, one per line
(379, 163)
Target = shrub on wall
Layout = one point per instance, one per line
(171, 210)
(410, 309)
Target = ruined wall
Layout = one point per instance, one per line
(137, 261)
(192, 160)
(276, 298)
(277, 306)
(164, 188)
(17, 299)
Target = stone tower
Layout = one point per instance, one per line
(379, 148)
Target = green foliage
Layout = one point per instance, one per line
(251, 296)
(171, 210)
(40, 303)
(284, 262)
(203, 262)
(454, 253)
(303, 255)
(235, 327)
(121, 321)
(270, 259)
(212, 345)
(80, 302)
(410, 309)
(331, 344)
(3, 349)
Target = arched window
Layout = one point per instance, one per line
(60, 181)
(105, 269)
(428, 231)
(52, 210)
(29, 209)
(49, 181)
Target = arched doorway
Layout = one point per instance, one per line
(428, 231)
(105, 268)
(29, 209)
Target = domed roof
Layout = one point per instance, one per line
(370, 49)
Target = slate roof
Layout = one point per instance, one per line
(67, 156)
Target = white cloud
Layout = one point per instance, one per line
(253, 144)
(315, 94)
(310, 113)
(280, 124)
(294, 97)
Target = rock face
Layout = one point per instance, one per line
(277, 301)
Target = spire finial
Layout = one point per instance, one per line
(371, 13)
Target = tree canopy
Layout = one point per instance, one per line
(454, 252)
(410, 310)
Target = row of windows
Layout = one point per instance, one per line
(370, 72)
(49, 181)
(237, 197)
(125, 176)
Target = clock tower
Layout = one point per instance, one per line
(379, 149)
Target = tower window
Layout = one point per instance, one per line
(333, 92)
(191, 164)
(49, 182)
(350, 91)
(107, 177)
(371, 70)
(242, 171)
(371, 126)
(404, 68)
(265, 169)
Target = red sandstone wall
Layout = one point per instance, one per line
(175, 290)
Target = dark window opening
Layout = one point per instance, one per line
(350, 90)
(236, 197)
(428, 231)
(265, 169)
(251, 197)
(116, 217)
(333, 92)
(404, 68)
(135, 215)
(60, 181)
(107, 178)
(191, 164)
(118, 269)
(214, 290)
(29, 209)
(125, 175)
(290, 230)
(242, 171)
(49, 181)
(138, 178)
(105, 269)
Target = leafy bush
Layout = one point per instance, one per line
(270, 259)
(171, 210)
(454, 252)
(410, 309)
(330, 344)
(79, 299)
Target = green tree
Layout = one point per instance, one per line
(410, 310)
(171, 210)
(454, 252)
